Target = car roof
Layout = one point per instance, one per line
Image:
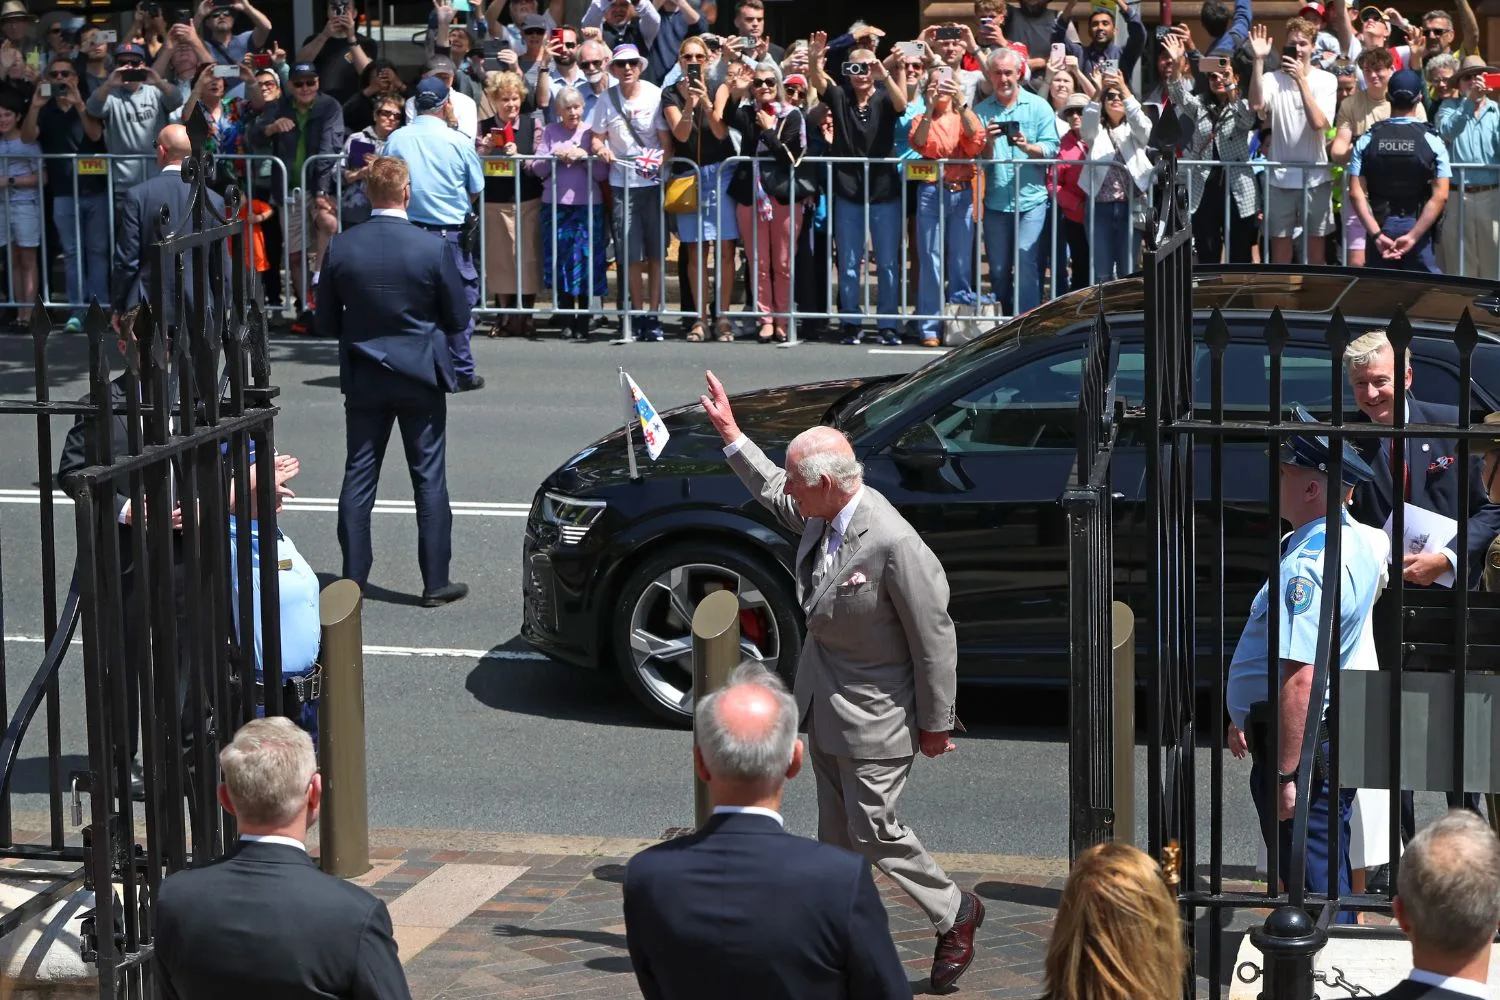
(1365, 297)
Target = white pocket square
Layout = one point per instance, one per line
(856, 580)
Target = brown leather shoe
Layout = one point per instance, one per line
(955, 950)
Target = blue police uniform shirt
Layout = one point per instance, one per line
(1434, 142)
(301, 625)
(1299, 598)
(445, 170)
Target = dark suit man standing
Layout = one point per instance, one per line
(743, 909)
(877, 676)
(135, 266)
(1431, 483)
(391, 294)
(1448, 905)
(264, 921)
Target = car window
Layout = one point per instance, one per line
(1304, 379)
(1034, 405)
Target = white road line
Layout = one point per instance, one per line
(924, 351)
(461, 508)
(374, 650)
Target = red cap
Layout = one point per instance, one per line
(1316, 8)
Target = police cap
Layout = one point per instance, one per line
(1310, 451)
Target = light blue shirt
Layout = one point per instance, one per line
(445, 170)
(1357, 156)
(1038, 126)
(297, 584)
(902, 150)
(1470, 139)
(1300, 592)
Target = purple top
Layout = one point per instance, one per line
(575, 183)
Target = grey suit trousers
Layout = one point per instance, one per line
(857, 810)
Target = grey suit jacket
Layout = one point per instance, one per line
(880, 660)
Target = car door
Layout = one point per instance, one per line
(989, 507)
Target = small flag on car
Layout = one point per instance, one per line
(653, 430)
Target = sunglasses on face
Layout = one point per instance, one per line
(1436, 32)
(767, 82)
(795, 88)
(590, 64)
(387, 113)
(691, 57)
(130, 64)
(1114, 97)
(627, 65)
(304, 83)
(56, 29)
(62, 74)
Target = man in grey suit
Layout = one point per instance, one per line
(878, 673)
(1448, 905)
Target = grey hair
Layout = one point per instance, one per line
(768, 66)
(1437, 64)
(820, 460)
(1003, 56)
(267, 768)
(1449, 884)
(1363, 349)
(604, 49)
(567, 97)
(1433, 15)
(763, 757)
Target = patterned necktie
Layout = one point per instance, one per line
(824, 563)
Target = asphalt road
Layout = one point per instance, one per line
(469, 729)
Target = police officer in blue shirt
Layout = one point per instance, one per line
(1402, 171)
(1297, 596)
(446, 179)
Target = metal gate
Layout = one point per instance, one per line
(161, 463)
(1437, 648)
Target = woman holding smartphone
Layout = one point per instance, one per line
(695, 114)
(362, 147)
(512, 216)
(1117, 175)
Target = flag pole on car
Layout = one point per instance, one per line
(638, 409)
(630, 419)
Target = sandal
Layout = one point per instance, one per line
(697, 333)
(725, 332)
(767, 331)
(500, 327)
(779, 336)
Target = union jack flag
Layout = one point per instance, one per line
(648, 162)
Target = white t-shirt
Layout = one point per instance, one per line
(1292, 139)
(645, 114)
(465, 112)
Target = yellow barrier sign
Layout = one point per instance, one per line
(921, 170)
(499, 168)
(92, 166)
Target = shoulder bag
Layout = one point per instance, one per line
(649, 172)
(681, 194)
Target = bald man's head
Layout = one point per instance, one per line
(821, 471)
(173, 145)
(746, 733)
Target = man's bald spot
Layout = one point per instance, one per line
(748, 712)
(817, 440)
(174, 139)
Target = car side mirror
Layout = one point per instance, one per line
(920, 449)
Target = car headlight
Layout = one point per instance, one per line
(573, 517)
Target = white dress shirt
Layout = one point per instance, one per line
(752, 810)
(399, 213)
(1454, 984)
(273, 839)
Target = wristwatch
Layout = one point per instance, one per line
(1288, 777)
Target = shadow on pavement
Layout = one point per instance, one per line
(29, 776)
(553, 690)
(1021, 894)
(605, 939)
(324, 382)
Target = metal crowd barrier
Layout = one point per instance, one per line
(267, 180)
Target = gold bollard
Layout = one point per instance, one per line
(344, 822)
(716, 652)
(1122, 656)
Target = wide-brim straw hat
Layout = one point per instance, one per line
(15, 10)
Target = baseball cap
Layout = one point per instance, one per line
(1314, 8)
(533, 22)
(1405, 87)
(626, 53)
(431, 94)
(1075, 102)
(129, 49)
(1371, 14)
(303, 70)
(440, 64)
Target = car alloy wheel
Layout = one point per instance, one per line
(654, 623)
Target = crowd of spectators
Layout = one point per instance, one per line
(857, 181)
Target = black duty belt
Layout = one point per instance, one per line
(307, 686)
(440, 227)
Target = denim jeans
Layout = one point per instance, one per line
(884, 234)
(945, 246)
(1111, 240)
(1320, 836)
(1016, 290)
(90, 212)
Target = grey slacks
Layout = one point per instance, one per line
(857, 811)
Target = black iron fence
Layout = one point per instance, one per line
(1213, 528)
(167, 452)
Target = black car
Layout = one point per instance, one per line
(613, 568)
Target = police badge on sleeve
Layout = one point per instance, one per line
(1299, 594)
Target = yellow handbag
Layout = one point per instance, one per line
(680, 196)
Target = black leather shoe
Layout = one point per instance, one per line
(469, 384)
(445, 595)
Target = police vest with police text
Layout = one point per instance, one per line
(1398, 167)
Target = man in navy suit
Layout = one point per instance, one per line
(1448, 905)
(742, 908)
(391, 294)
(1431, 482)
(264, 921)
(139, 228)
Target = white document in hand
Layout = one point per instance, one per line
(1426, 531)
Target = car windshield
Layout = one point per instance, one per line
(865, 414)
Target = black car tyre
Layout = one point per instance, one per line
(652, 625)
